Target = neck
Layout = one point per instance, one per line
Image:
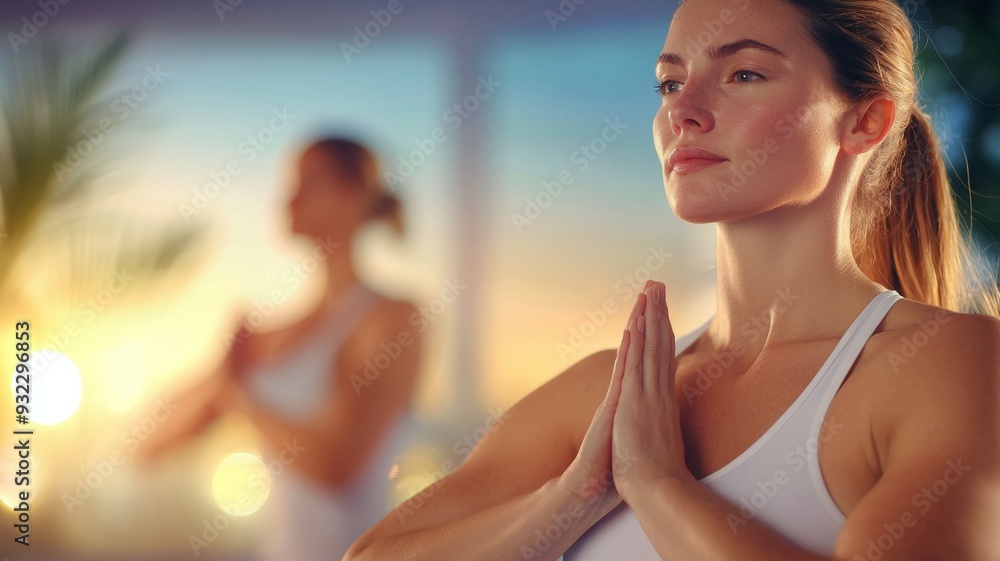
(339, 267)
(787, 275)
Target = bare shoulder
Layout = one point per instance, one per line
(389, 326)
(934, 384)
(919, 338)
(938, 379)
(387, 317)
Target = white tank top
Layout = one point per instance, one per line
(777, 480)
(306, 520)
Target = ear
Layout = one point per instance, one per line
(867, 123)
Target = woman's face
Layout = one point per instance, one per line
(749, 105)
(323, 201)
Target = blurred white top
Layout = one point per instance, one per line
(309, 521)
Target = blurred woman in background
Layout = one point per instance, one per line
(330, 408)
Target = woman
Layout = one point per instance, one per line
(838, 405)
(331, 425)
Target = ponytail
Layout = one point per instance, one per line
(915, 244)
(388, 206)
(905, 228)
(360, 165)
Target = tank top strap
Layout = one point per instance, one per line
(844, 358)
(356, 302)
(851, 344)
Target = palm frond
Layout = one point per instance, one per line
(50, 98)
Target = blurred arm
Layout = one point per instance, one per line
(187, 415)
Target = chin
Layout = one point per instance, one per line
(694, 201)
(698, 216)
(300, 229)
(703, 204)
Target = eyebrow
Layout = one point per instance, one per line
(723, 51)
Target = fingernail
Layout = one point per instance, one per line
(655, 298)
(641, 323)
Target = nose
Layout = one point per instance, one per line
(689, 110)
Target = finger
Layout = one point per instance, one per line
(619, 367)
(637, 310)
(652, 343)
(668, 356)
(614, 389)
(633, 357)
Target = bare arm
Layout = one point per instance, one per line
(508, 499)
(188, 415)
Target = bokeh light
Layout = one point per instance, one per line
(56, 388)
(415, 469)
(241, 484)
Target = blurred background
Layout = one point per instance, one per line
(517, 135)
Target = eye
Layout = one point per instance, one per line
(739, 76)
(745, 76)
(664, 87)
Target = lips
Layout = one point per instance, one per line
(689, 159)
